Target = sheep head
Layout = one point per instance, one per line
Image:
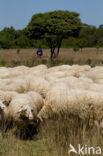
(25, 113)
(2, 106)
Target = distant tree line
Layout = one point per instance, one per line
(53, 30)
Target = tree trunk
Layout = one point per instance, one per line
(52, 53)
(58, 50)
(59, 45)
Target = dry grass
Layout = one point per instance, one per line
(54, 136)
(61, 133)
(53, 139)
(10, 146)
(28, 57)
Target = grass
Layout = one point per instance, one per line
(10, 146)
(53, 139)
(54, 136)
(28, 57)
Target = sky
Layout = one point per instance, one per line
(17, 13)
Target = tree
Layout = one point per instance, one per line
(82, 43)
(88, 32)
(99, 43)
(69, 43)
(54, 27)
(7, 38)
(99, 32)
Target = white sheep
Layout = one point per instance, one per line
(5, 99)
(99, 81)
(18, 84)
(4, 72)
(37, 100)
(24, 107)
(6, 96)
(37, 84)
(18, 71)
(38, 68)
(81, 68)
(2, 107)
(56, 95)
(60, 74)
(96, 87)
(59, 68)
(84, 105)
(75, 83)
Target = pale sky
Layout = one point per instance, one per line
(17, 13)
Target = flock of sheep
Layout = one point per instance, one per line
(38, 93)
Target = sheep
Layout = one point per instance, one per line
(21, 113)
(19, 70)
(5, 99)
(38, 71)
(19, 108)
(96, 87)
(60, 74)
(25, 107)
(81, 68)
(38, 68)
(37, 84)
(99, 81)
(3, 83)
(59, 85)
(2, 107)
(4, 73)
(6, 96)
(18, 113)
(95, 73)
(84, 105)
(75, 83)
(10, 72)
(59, 68)
(37, 100)
(59, 90)
(18, 84)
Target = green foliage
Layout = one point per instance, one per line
(18, 51)
(69, 43)
(82, 43)
(88, 32)
(97, 46)
(100, 43)
(54, 27)
(75, 48)
(7, 38)
(53, 30)
(99, 32)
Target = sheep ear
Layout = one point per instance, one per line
(25, 108)
(20, 110)
(43, 94)
(6, 103)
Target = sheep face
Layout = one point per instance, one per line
(2, 106)
(25, 113)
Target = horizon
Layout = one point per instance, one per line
(19, 13)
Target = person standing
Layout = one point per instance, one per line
(39, 52)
